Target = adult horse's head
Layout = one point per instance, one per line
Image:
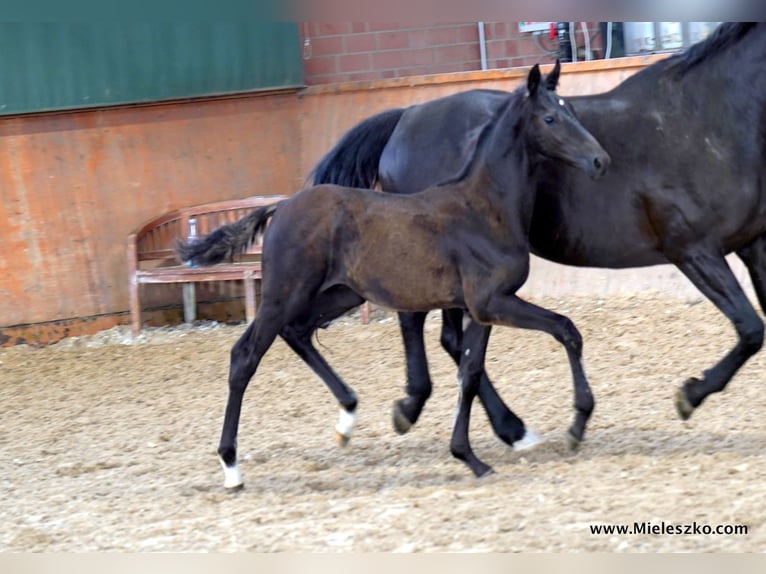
(555, 132)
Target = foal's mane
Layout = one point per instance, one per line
(513, 100)
(723, 37)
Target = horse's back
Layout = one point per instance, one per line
(434, 141)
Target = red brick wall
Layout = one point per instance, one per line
(353, 51)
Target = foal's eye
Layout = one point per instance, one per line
(549, 119)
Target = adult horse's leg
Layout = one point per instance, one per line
(753, 256)
(406, 411)
(513, 311)
(475, 339)
(711, 274)
(507, 426)
(297, 335)
(246, 354)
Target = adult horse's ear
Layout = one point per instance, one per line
(533, 80)
(552, 79)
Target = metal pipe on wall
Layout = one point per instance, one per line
(482, 46)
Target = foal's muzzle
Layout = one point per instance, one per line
(598, 165)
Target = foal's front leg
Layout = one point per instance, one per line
(513, 311)
(475, 339)
(506, 425)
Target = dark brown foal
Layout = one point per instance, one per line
(461, 245)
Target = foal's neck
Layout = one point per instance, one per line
(502, 167)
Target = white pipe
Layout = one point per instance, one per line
(586, 35)
(573, 41)
(482, 46)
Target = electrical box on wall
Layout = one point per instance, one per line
(534, 26)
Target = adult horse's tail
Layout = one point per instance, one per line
(353, 162)
(228, 240)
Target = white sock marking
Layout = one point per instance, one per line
(232, 477)
(529, 440)
(346, 422)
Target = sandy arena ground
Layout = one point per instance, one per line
(108, 444)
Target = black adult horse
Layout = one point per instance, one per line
(687, 137)
(460, 245)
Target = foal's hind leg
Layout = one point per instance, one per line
(326, 307)
(246, 354)
(711, 274)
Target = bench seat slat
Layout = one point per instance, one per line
(184, 274)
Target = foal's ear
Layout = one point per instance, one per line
(552, 79)
(533, 80)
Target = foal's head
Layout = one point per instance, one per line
(553, 130)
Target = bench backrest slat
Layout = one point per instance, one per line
(155, 240)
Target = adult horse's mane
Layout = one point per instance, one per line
(481, 142)
(724, 36)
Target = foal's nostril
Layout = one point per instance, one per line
(597, 163)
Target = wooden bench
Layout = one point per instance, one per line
(152, 259)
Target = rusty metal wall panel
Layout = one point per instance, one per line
(73, 186)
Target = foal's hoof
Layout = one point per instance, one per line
(401, 423)
(530, 440)
(342, 439)
(683, 406)
(232, 478)
(573, 442)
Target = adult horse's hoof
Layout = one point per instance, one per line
(530, 440)
(573, 443)
(342, 439)
(479, 469)
(401, 423)
(488, 472)
(683, 406)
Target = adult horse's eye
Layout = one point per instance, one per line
(549, 119)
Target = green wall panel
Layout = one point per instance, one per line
(75, 65)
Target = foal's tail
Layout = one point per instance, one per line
(228, 240)
(353, 162)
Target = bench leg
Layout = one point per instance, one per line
(190, 302)
(250, 302)
(135, 309)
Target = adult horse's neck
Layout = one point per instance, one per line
(731, 61)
